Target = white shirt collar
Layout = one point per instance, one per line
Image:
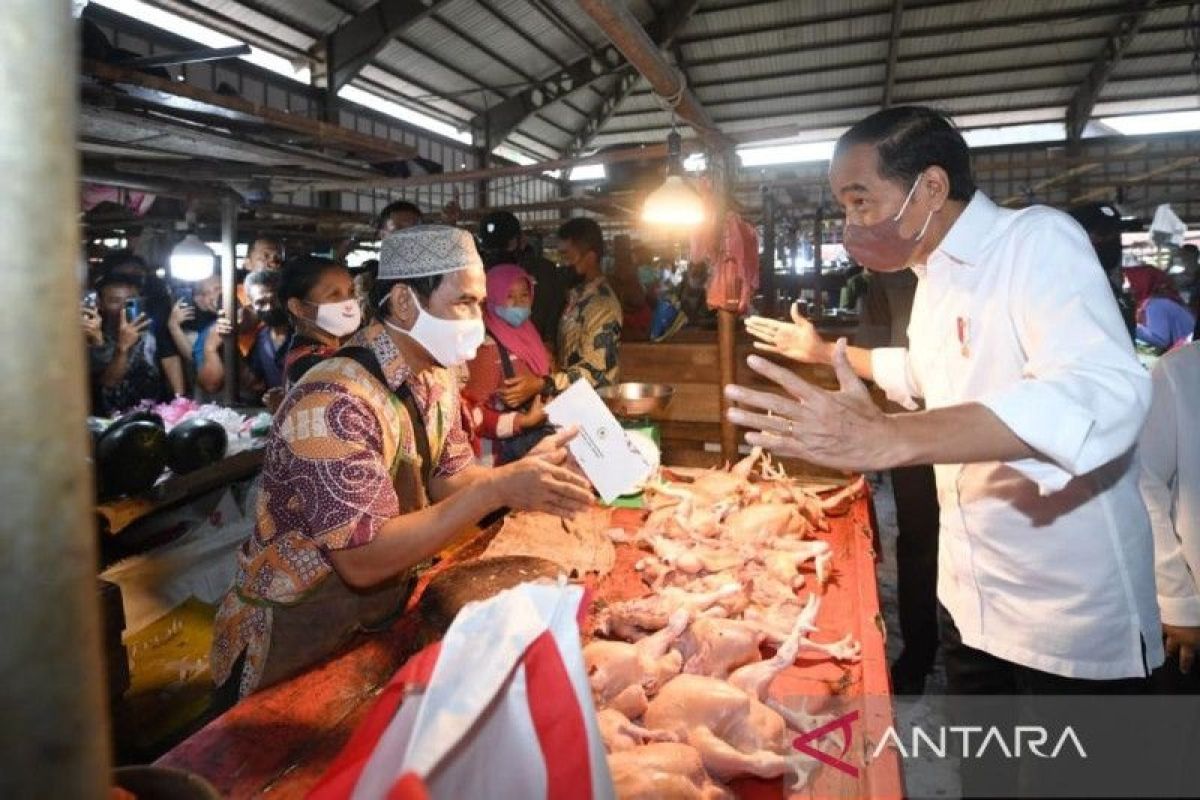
(964, 241)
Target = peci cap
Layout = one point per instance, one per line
(424, 250)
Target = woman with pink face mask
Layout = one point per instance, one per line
(319, 297)
(513, 348)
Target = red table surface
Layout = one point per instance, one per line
(282, 739)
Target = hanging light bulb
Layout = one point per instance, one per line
(676, 203)
(192, 259)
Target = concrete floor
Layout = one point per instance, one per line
(922, 778)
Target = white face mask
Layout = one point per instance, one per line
(339, 319)
(450, 341)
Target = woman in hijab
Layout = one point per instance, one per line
(513, 348)
(1163, 320)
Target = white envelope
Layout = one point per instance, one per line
(610, 460)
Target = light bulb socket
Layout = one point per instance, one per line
(674, 153)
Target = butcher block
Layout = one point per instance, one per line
(280, 740)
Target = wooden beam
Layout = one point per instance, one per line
(608, 157)
(889, 79)
(1079, 108)
(352, 46)
(181, 94)
(156, 134)
(1101, 192)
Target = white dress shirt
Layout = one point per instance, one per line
(1169, 453)
(1045, 562)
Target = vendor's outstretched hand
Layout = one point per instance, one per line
(554, 449)
(797, 340)
(542, 482)
(842, 429)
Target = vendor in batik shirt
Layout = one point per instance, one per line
(363, 458)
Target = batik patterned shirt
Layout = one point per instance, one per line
(339, 463)
(589, 336)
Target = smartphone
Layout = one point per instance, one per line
(184, 294)
(133, 308)
(91, 300)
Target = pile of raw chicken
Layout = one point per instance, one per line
(679, 676)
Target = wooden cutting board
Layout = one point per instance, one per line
(455, 586)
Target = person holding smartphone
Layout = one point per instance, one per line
(123, 357)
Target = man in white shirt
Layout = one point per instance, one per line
(1034, 401)
(1169, 453)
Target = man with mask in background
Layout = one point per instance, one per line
(1102, 221)
(368, 471)
(1034, 401)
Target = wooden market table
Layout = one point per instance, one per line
(281, 740)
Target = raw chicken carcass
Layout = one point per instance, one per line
(839, 502)
(619, 733)
(631, 619)
(715, 647)
(694, 558)
(755, 678)
(777, 622)
(761, 523)
(624, 675)
(784, 560)
(662, 772)
(735, 733)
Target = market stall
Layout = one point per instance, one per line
(283, 738)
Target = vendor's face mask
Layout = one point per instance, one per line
(881, 247)
(449, 341)
(338, 319)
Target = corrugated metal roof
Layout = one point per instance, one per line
(465, 89)
(1117, 89)
(320, 16)
(297, 32)
(763, 64)
(919, 65)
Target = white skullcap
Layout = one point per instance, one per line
(424, 250)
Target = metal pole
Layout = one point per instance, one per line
(230, 353)
(818, 237)
(53, 728)
(766, 264)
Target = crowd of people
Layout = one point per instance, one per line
(546, 325)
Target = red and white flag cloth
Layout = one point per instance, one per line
(500, 708)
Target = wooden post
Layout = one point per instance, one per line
(53, 729)
(229, 301)
(818, 237)
(727, 315)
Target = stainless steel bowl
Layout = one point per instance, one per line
(637, 399)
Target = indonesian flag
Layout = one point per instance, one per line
(500, 708)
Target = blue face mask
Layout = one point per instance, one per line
(513, 315)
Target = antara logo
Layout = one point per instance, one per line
(974, 741)
(802, 743)
(1024, 739)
